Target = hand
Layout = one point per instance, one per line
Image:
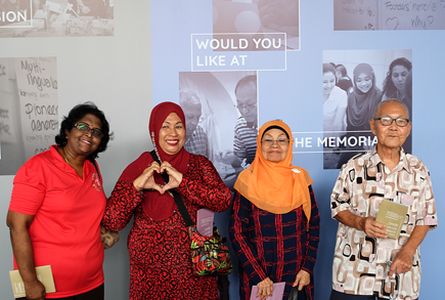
(109, 238)
(402, 262)
(146, 180)
(372, 228)
(230, 158)
(174, 177)
(35, 290)
(265, 288)
(280, 15)
(302, 279)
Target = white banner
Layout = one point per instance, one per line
(37, 89)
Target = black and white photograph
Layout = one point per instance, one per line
(258, 18)
(28, 109)
(354, 83)
(221, 110)
(56, 18)
(389, 15)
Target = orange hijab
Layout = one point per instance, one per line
(276, 187)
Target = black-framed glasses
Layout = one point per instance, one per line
(246, 105)
(269, 142)
(387, 121)
(85, 128)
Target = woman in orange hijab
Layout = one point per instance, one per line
(275, 221)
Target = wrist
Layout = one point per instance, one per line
(30, 279)
(136, 187)
(361, 223)
(409, 249)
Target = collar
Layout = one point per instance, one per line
(375, 159)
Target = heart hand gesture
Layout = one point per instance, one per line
(146, 180)
(174, 177)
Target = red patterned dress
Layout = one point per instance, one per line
(160, 260)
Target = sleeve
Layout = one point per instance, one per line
(313, 236)
(120, 206)
(340, 196)
(239, 148)
(29, 189)
(341, 111)
(203, 187)
(241, 227)
(427, 213)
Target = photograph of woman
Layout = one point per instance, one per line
(398, 85)
(362, 102)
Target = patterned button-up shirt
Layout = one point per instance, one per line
(244, 141)
(361, 263)
(198, 142)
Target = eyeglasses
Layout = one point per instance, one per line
(269, 142)
(85, 128)
(246, 106)
(387, 121)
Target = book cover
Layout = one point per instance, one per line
(392, 215)
(277, 292)
(44, 274)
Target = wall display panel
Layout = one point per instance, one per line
(149, 56)
(111, 71)
(29, 118)
(290, 86)
(51, 18)
(354, 82)
(389, 15)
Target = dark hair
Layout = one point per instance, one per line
(245, 80)
(275, 127)
(78, 112)
(342, 69)
(389, 88)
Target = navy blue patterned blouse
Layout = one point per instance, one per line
(273, 245)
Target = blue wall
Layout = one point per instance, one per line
(295, 96)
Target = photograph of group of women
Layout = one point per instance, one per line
(354, 83)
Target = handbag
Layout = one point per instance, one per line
(209, 254)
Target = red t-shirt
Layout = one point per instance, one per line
(67, 210)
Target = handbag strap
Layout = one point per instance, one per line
(176, 196)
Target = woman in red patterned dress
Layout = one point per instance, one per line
(159, 243)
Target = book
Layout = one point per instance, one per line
(44, 274)
(392, 215)
(277, 292)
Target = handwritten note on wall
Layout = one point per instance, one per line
(389, 14)
(37, 88)
(8, 128)
(355, 15)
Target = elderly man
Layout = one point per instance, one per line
(246, 127)
(196, 138)
(367, 263)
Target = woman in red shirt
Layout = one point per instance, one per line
(56, 207)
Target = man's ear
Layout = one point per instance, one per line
(372, 126)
